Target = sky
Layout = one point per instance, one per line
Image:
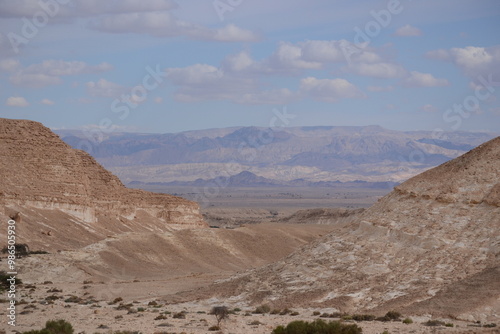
(165, 66)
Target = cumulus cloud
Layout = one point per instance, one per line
(329, 90)
(104, 88)
(152, 17)
(47, 102)
(49, 72)
(472, 60)
(408, 31)
(418, 79)
(205, 82)
(17, 101)
(164, 24)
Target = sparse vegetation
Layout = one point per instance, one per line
(54, 327)
(407, 321)
(4, 283)
(262, 309)
(220, 313)
(317, 327)
(363, 317)
(393, 315)
(434, 323)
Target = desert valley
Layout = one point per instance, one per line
(420, 256)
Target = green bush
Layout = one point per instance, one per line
(363, 317)
(262, 309)
(54, 327)
(393, 315)
(434, 323)
(407, 321)
(317, 327)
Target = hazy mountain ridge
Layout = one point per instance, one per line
(323, 153)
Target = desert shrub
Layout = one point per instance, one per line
(180, 315)
(363, 317)
(141, 309)
(20, 249)
(490, 325)
(220, 313)
(407, 321)
(434, 323)
(54, 327)
(255, 323)
(449, 324)
(275, 311)
(393, 315)
(214, 328)
(4, 284)
(262, 309)
(317, 327)
(316, 313)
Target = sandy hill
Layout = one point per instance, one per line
(432, 246)
(94, 228)
(66, 199)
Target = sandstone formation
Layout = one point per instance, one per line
(59, 190)
(432, 246)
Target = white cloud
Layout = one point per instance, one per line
(82, 8)
(164, 24)
(49, 72)
(429, 108)
(329, 90)
(17, 101)
(104, 88)
(47, 102)
(289, 57)
(377, 70)
(9, 65)
(408, 31)
(418, 79)
(239, 62)
(472, 60)
(201, 82)
(232, 33)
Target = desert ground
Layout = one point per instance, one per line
(122, 283)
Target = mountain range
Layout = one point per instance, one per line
(297, 154)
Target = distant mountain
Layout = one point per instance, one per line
(249, 179)
(312, 154)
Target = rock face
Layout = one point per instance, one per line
(41, 172)
(432, 246)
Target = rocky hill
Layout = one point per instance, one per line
(59, 190)
(298, 154)
(432, 246)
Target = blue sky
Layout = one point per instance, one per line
(169, 66)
